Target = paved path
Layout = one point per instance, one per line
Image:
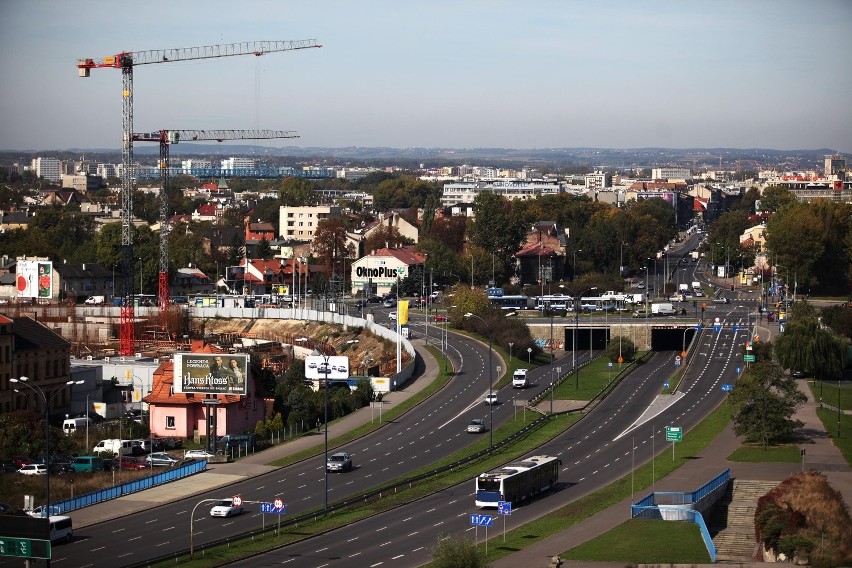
(220, 475)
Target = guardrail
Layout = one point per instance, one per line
(369, 496)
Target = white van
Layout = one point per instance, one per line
(61, 528)
(519, 379)
(71, 425)
(114, 447)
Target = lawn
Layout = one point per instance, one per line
(590, 380)
(751, 453)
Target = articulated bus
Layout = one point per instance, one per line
(553, 302)
(517, 481)
(510, 302)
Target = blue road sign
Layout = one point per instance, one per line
(697, 328)
(481, 520)
(727, 388)
(504, 507)
(717, 328)
(736, 328)
(270, 509)
(665, 384)
(738, 369)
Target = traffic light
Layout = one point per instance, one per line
(703, 307)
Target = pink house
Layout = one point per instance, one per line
(183, 415)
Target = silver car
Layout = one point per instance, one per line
(339, 461)
(476, 426)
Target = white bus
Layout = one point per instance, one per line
(517, 481)
(61, 528)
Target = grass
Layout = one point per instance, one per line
(629, 542)
(787, 453)
(590, 380)
(830, 421)
(827, 391)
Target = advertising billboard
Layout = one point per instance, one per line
(211, 373)
(34, 279)
(402, 312)
(320, 367)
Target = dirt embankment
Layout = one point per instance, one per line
(364, 349)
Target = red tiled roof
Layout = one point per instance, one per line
(406, 255)
(536, 249)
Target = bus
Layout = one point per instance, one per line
(517, 481)
(510, 302)
(553, 302)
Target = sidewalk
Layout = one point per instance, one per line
(223, 474)
(821, 454)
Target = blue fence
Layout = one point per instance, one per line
(117, 491)
(664, 505)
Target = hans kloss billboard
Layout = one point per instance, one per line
(211, 373)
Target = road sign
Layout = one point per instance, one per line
(504, 507)
(665, 384)
(24, 547)
(279, 503)
(677, 360)
(481, 520)
(735, 328)
(674, 434)
(609, 364)
(749, 358)
(270, 508)
(683, 353)
(237, 500)
(727, 388)
(717, 328)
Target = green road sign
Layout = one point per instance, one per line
(24, 547)
(749, 358)
(674, 434)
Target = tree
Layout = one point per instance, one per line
(263, 250)
(620, 347)
(499, 228)
(766, 399)
(456, 552)
(806, 346)
(330, 245)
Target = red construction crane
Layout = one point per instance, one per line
(168, 137)
(126, 61)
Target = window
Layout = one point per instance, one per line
(170, 422)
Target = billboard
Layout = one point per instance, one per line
(320, 367)
(402, 312)
(211, 373)
(34, 278)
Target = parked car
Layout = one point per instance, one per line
(33, 469)
(198, 454)
(440, 317)
(60, 468)
(39, 511)
(339, 461)
(392, 315)
(491, 398)
(476, 426)
(131, 463)
(226, 508)
(161, 458)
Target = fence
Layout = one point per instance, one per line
(683, 506)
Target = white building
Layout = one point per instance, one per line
(300, 223)
(233, 163)
(107, 171)
(187, 166)
(597, 181)
(47, 168)
(671, 174)
(378, 272)
(466, 192)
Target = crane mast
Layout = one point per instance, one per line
(166, 138)
(126, 61)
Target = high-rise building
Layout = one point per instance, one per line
(834, 165)
(47, 168)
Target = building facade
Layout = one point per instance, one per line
(48, 168)
(300, 223)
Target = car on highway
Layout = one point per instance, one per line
(491, 398)
(226, 508)
(161, 458)
(198, 454)
(476, 426)
(390, 303)
(440, 317)
(33, 469)
(721, 300)
(339, 461)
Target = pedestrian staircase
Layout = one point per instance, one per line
(732, 522)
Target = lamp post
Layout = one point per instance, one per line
(140, 279)
(575, 262)
(621, 261)
(490, 381)
(577, 299)
(510, 352)
(47, 399)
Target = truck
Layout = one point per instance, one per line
(519, 379)
(94, 300)
(683, 288)
(663, 309)
(694, 256)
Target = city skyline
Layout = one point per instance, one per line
(475, 74)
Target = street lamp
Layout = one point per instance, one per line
(575, 262)
(47, 400)
(577, 299)
(490, 382)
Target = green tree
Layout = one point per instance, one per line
(457, 552)
(766, 400)
(620, 346)
(263, 250)
(806, 346)
(498, 228)
(774, 198)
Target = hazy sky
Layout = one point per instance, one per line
(490, 73)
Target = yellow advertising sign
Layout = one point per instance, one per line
(402, 312)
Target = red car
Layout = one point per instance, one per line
(440, 317)
(131, 463)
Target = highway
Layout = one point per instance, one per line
(428, 432)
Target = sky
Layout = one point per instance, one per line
(450, 74)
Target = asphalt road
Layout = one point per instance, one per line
(626, 430)
(420, 437)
